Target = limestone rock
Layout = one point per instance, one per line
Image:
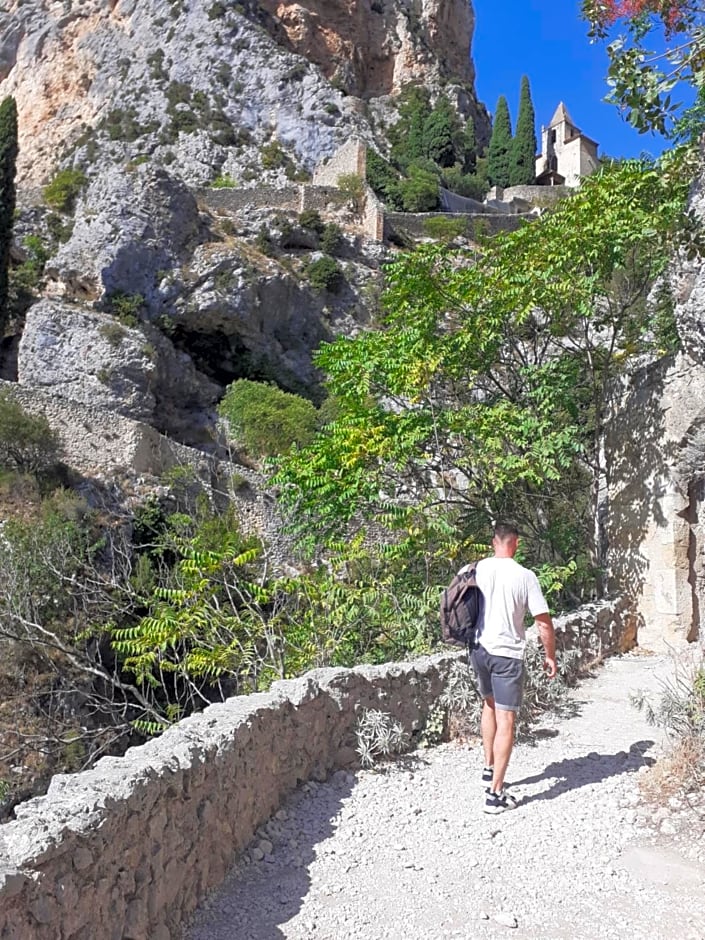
(91, 358)
(171, 81)
(202, 87)
(88, 357)
(129, 227)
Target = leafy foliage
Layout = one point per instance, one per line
(61, 193)
(266, 420)
(27, 443)
(485, 393)
(379, 735)
(642, 80)
(325, 274)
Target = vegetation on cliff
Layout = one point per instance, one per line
(8, 162)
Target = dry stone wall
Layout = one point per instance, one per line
(351, 158)
(101, 443)
(127, 850)
(414, 224)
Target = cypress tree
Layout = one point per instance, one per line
(407, 135)
(8, 162)
(522, 169)
(469, 147)
(442, 133)
(499, 152)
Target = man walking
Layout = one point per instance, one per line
(509, 591)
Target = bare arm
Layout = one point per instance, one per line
(547, 635)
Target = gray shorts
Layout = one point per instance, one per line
(500, 678)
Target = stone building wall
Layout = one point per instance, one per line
(350, 158)
(541, 196)
(232, 199)
(135, 844)
(103, 445)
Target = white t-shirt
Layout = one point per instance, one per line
(509, 590)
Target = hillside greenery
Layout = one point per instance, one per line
(431, 145)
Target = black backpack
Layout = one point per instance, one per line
(461, 609)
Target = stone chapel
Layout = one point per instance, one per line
(566, 153)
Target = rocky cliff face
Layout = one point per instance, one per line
(374, 47)
(202, 85)
(153, 302)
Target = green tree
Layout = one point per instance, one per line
(486, 391)
(384, 179)
(420, 191)
(442, 134)
(499, 152)
(407, 135)
(522, 168)
(469, 147)
(8, 163)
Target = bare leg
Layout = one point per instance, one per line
(503, 744)
(488, 727)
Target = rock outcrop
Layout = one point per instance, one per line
(203, 87)
(131, 230)
(656, 515)
(374, 47)
(90, 357)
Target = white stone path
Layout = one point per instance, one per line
(407, 853)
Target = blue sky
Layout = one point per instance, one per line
(547, 41)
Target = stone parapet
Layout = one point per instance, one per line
(127, 850)
(478, 224)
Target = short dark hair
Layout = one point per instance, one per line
(505, 530)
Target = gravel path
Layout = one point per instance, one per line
(406, 853)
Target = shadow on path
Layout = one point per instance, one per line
(255, 899)
(575, 772)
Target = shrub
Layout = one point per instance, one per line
(352, 186)
(125, 307)
(331, 238)
(264, 241)
(113, 333)
(465, 184)
(266, 420)
(325, 274)
(444, 229)
(272, 155)
(224, 182)
(379, 735)
(61, 193)
(27, 442)
(681, 713)
(311, 219)
(420, 191)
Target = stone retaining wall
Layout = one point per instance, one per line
(127, 850)
(103, 445)
(414, 224)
